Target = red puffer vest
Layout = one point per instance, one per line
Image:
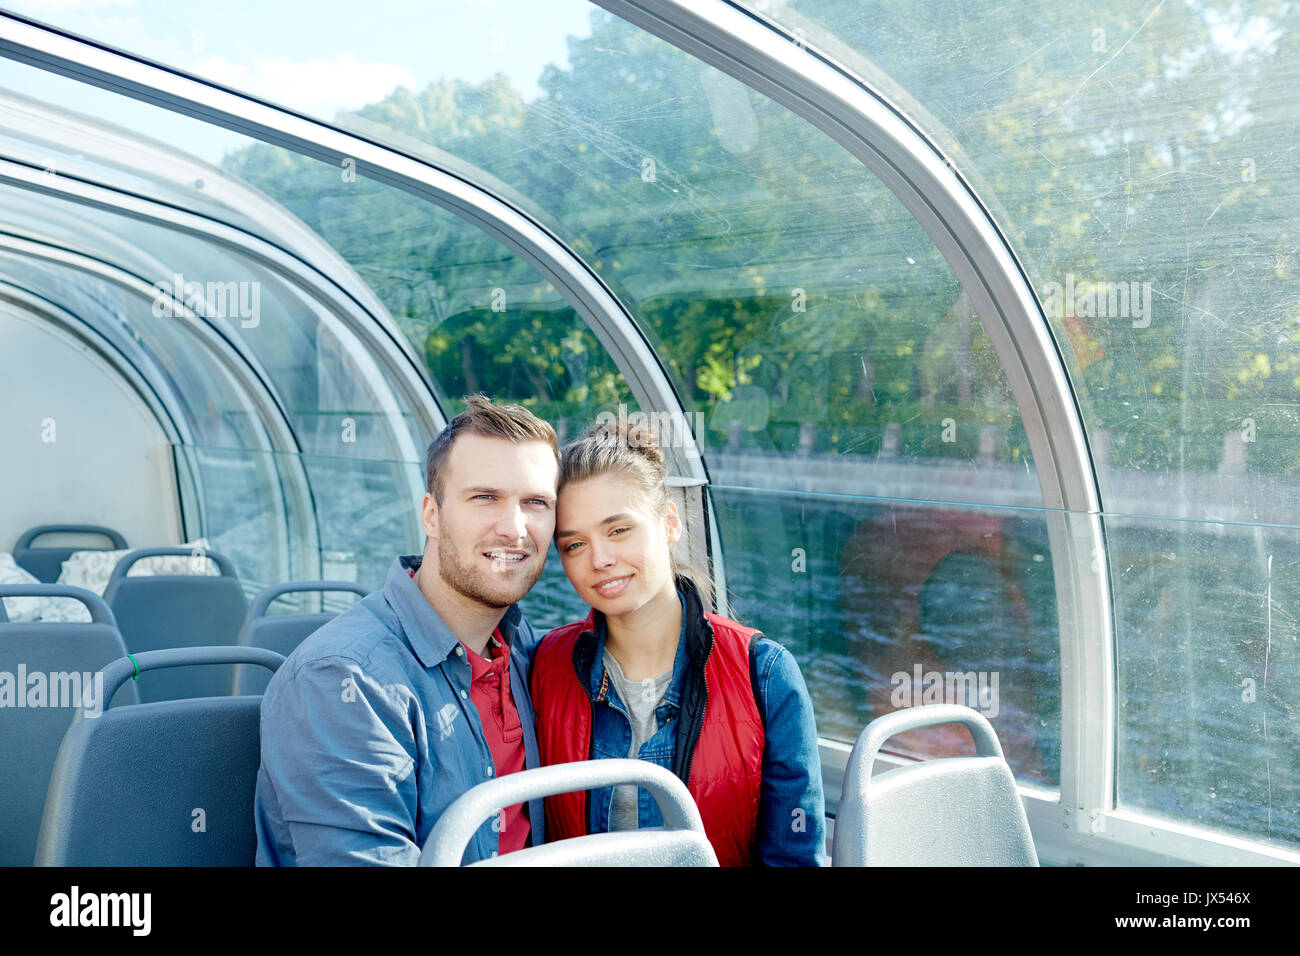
(721, 756)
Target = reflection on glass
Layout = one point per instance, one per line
(888, 604)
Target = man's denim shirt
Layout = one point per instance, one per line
(369, 733)
(792, 822)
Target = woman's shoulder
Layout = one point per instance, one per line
(733, 629)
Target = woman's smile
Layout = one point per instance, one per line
(613, 587)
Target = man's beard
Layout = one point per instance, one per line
(476, 584)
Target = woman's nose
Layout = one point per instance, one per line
(601, 557)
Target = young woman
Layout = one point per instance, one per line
(652, 674)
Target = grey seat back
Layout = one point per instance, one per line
(950, 811)
(46, 563)
(52, 667)
(681, 841)
(177, 610)
(169, 783)
(280, 632)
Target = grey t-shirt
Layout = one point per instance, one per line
(640, 698)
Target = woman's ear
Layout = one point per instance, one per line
(673, 522)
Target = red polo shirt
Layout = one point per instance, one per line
(490, 691)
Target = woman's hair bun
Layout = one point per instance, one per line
(633, 434)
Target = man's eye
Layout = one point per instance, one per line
(569, 547)
(619, 531)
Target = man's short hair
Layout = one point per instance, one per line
(512, 423)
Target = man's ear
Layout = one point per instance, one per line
(674, 522)
(429, 515)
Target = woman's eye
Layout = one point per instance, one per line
(619, 531)
(569, 547)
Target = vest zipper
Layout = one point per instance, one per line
(698, 728)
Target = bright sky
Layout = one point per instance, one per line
(317, 57)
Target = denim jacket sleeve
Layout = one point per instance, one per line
(339, 751)
(792, 812)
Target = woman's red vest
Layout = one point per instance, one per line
(724, 767)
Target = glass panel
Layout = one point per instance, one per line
(480, 317)
(243, 512)
(217, 409)
(1208, 673)
(1140, 160)
(321, 373)
(364, 511)
(476, 315)
(888, 604)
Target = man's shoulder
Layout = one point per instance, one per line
(366, 634)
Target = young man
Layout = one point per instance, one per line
(387, 714)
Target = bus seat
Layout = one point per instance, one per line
(177, 610)
(30, 735)
(280, 632)
(46, 563)
(168, 783)
(679, 842)
(948, 811)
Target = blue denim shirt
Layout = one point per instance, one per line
(792, 812)
(369, 733)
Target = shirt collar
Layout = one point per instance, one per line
(431, 639)
(481, 667)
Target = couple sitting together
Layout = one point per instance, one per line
(436, 683)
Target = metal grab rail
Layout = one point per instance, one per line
(680, 842)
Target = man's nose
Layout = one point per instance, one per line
(512, 523)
